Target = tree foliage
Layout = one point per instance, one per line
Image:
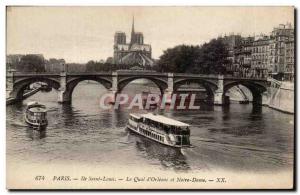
(178, 59)
(93, 66)
(54, 65)
(31, 63)
(210, 58)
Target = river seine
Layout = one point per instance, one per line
(239, 138)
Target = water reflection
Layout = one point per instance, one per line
(35, 134)
(67, 113)
(256, 112)
(169, 158)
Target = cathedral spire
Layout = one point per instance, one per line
(132, 31)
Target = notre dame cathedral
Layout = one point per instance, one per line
(133, 53)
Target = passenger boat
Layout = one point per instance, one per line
(161, 129)
(35, 115)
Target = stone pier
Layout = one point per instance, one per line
(63, 96)
(219, 93)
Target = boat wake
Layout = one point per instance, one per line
(186, 150)
(219, 144)
(19, 124)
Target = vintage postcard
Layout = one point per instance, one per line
(150, 97)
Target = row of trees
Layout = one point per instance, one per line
(27, 63)
(37, 63)
(93, 66)
(210, 58)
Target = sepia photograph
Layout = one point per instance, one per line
(150, 97)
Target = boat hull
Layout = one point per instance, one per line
(37, 126)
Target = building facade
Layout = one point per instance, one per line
(243, 57)
(289, 56)
(282, 56)
(260, 52)
(133, 53)
(264, 54)
(232, 43)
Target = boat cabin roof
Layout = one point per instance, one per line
(161, 119)
(35, 104)
(137, 116)
(37, 109)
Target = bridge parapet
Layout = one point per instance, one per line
(212, 76)
(35, 74)
(134, 73)
(89, 73)
(227, 77)
(216, 76)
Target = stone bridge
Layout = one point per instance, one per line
(216, 85)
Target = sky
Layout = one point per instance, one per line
(80, 34)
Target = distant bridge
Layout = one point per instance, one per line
(216, 85)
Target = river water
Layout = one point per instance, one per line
(238, 138)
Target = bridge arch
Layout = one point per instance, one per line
(71, 84)
(21, 85)
(160, 83)
(209, 86)
(256, 89)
